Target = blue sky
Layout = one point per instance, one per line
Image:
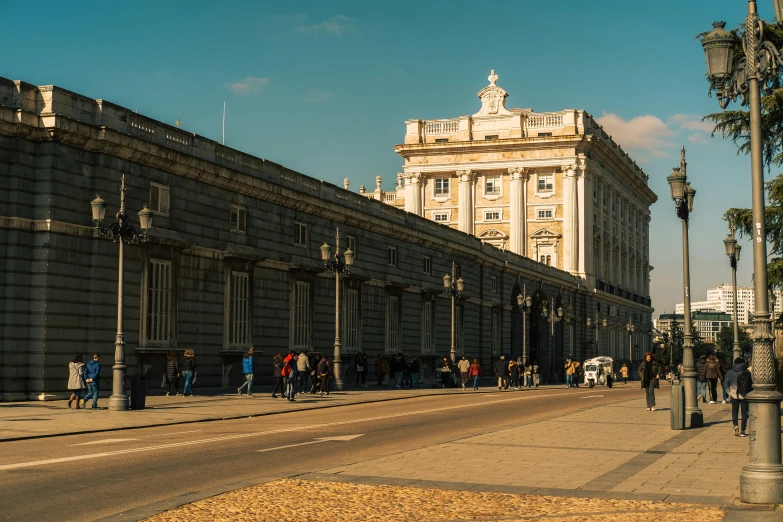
(324, 87)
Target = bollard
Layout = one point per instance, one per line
(677, 407)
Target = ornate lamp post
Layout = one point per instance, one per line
(733, 251)
(596, 326)
(454, 288)
(630, 328)
(761, 481)
(339, 267)
(682, 195)
(120, 232)
(552, 316)
(525, 303)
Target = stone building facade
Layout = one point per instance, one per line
(233, 259)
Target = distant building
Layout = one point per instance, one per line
(721, 297)
(706, 324)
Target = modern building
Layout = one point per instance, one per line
(706, 324)
(551, 186)
(721, 299)
(233, 255)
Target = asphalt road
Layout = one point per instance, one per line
(88, 477)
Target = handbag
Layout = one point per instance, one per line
(657, 383)
(163, 381)
(195, 374)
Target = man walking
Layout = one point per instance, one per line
(464, 366)
(569, 371)
(293, 376)
(303, 367)
(501, 370)
(92, 376)
(247, 369)
(739, 383)
(415, 369)
(712, 372)
(536, 374)
(624, 373)
(380, 369)
(701, 379)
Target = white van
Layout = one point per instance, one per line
(596, 371)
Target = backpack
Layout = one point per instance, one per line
(744, 383)
(286, 371)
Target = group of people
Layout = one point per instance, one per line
(515, 374)
(293, 373)
(402, 372)
(174, 371)
(574, 373)
(84, 377)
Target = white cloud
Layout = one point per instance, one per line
(698, 138)
(643, 133)
(691, 122)
(250, 85)
(336, 26)
(318, 96)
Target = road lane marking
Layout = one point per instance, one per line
(441, 409)
(590, 396)
(102, 441)
(316, 441)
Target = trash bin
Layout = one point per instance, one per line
(138, 395)
(677, 407)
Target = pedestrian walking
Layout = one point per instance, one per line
(701, 379)
(292, 377)
(578, 373)
(569, 372)
(76, 380)
(649, 372)
(722, 373)
(380, 369)
(712, 372)
(475, 372)
(739, 383)
(445, 373)
(405, 366)
(363, 369)
(528, 375)
(92, 377)
(324, 369)
(513, 374)
(501, 370)
(188, 371)
(536, 374)
(415, 371)
(303, 365)
(277, 374)
(248, 368)
(464, 367)
(624, 373)
(680, 369)
(172, 373)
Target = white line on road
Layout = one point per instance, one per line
(316, 441)
(590, 396)
(441, 409)
(102, 441)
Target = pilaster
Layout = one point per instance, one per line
(466, 207)
(570, 218)
(518, 209)
(413, 193)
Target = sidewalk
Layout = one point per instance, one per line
(31, 419)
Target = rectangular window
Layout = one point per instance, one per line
(545, 213)
(302, 315)
(427, 268)
(491, 137)
(495, 332)
(239, 331)
(544, 134)
(352, 245)
(158, 301)
(159, 199)
(393, 324)
(492, 215)
(300, 234)
(442, 217)
(545, 183)
(441, 140)
(393, 256)
(238, 219)
(442, 186)
(427, 344)
(492, 186)
(494, 284)
(352, 320)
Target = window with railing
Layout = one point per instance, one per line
(393, 324)
(158, 313)
(301, 322)
(427, 327)
(352, 320)
(239, 308)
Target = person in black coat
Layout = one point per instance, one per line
(501, 370)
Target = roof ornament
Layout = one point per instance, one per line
(492, 78)
(493, 98)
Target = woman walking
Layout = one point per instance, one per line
(76, 380)
(649, 372)
(475, 372)
(323, 373)
(188, 371)
(172, 373)
(277, 373)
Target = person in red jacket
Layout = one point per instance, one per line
(475, 372)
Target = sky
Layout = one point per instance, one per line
(324, 88)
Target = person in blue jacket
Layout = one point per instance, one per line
(92, 376)
(247, 369)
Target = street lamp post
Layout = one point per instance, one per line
(120, 232)
(552, 316)
(761, 480)
(682, 195)
(596, 326)
(454, 288)
(525, 303)
(630, 328)
(338, 267)
(733, 251)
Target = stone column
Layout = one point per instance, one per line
(600, 272)
(466, 208)
(413, 193)
(518, 210)
(585, 198)
(570, 219)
